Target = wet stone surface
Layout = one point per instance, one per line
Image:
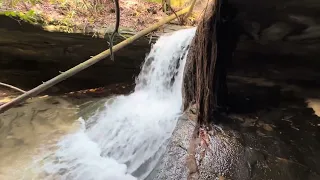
(28, 130)
(272, 131)
(275, 142)
(34, 127)
(172, 165)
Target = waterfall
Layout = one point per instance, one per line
(126, 139)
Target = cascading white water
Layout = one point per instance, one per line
(126, 139)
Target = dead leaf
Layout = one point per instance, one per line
(5, 100)
(267, 127)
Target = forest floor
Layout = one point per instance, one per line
(135, 14)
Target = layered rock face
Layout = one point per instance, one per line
(280, 39)
(30, 55)
(271, 131)
(285, 28)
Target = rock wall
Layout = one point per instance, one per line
(282, 27)
(278, 33)
(270, 133)
(30, 55)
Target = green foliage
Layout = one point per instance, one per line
(33, 1)
(15, 2)
(29, 16)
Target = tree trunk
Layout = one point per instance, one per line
(205, 70)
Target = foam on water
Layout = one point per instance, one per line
(125, 140)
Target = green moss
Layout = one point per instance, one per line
(29, 17)
(13, 3)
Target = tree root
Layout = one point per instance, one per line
(116, 29)
(200, 70)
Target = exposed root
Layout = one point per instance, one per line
(200, 76)
(116, 29)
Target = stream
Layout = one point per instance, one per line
(127, 136)
(272, 131)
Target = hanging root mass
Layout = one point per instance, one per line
(116, 29)
(199, 75)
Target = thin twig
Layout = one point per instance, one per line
(12, 87)
(90, 10)
(171, 9)
(191, 9)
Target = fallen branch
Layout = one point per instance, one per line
(190, 10)
(164, 3)
(88, 63)
(12, 87)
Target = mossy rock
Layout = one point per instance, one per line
(29, 17)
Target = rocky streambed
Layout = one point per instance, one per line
(272, 131)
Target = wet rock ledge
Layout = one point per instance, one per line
(266, 138)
